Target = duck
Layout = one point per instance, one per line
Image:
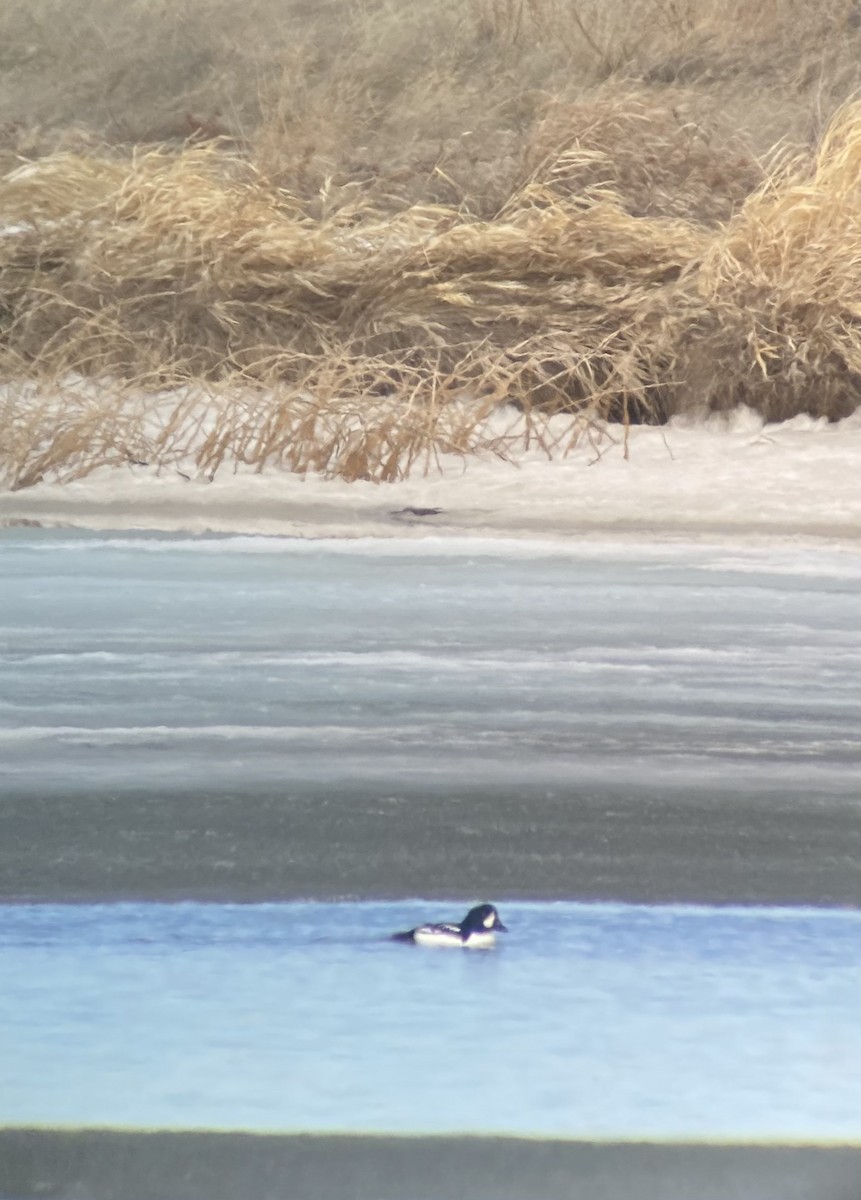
(477, 931)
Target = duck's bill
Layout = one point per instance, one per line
(500, 928)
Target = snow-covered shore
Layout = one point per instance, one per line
(719, 479)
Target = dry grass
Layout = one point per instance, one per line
(776, 301)
(413, 216)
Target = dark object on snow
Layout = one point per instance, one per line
(416, 512)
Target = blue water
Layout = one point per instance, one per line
(605, 1021)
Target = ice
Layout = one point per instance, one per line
(156, 658)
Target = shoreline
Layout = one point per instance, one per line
(733, 479)
(231, 511)
(106, 1164)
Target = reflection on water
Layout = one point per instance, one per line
(608, 1021)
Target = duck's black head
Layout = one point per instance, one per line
(483, 919)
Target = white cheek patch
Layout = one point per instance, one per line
(488, 920)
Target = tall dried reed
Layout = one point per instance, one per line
(421, 217)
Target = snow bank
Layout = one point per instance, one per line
(714, 479)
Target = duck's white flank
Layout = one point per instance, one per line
(452, 938)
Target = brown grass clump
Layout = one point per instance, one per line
(652, 150)
(369, 226)
(775, 316)
(186, 269)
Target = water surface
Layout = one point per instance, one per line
(588, 1021)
